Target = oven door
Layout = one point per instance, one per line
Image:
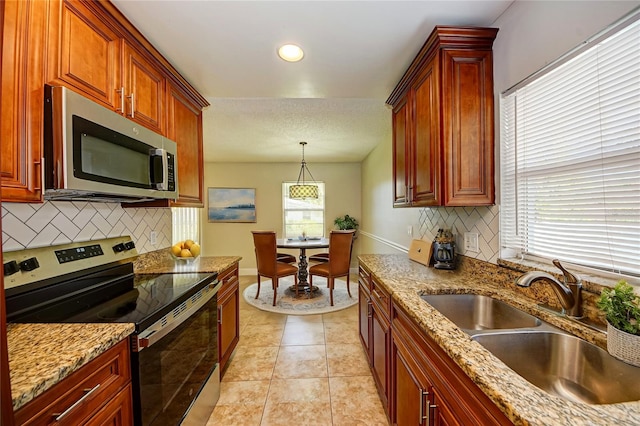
(175, 364)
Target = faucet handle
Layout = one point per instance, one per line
(569, 278)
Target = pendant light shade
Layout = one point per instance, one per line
(302, 190)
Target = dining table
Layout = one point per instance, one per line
(303, 244)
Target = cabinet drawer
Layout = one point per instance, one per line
(364, 277)
(380, 296)
(83, 393)
(118, 411)
(229, 280)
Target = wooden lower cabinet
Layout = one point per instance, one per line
(228, 315)
(375, 332)
(99, 393)
(427, 387)
(117, 412)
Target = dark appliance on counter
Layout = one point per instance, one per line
(175, 371)
(444, 254)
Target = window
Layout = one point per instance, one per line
(571, 156)
(303, 215)
(185, 224)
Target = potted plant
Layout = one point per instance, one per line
(621, 306)
(346, 222)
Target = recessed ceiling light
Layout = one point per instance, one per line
(290, 53)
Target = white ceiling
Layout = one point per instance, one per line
(261, 106)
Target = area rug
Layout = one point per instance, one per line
(286, 302)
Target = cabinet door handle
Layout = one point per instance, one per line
(219, 314)
(39, 163)
(369, 306)
(133, 105)
(121, 92)
(423, 394)
(88, 392)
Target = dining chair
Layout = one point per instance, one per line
(340, 247)
(286, 258)
(267, 262)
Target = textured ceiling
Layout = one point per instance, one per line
(335, 129)
(355, 53)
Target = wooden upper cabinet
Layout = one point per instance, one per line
(84, 53)
(448, 132)
(144, 88)
(184, 126)
(21, 111)
(400, 154)
(425, 145)
(467, 101)
(90, 47)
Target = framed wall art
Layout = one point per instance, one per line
(231, 205)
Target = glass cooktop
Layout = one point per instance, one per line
(138, 299)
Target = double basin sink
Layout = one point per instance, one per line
(547, 357)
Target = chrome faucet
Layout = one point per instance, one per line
(568, 292)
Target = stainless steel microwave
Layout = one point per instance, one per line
(94, 154)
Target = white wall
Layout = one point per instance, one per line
(532, 34)
(342, 187)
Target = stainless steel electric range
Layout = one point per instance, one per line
(175, 372)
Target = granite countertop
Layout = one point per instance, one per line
(522, 402)
(41, 355)
(161, 262)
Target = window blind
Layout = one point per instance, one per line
(570, 173)
(185, 224)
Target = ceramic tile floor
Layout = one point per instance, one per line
(298, 370)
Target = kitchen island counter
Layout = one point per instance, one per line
(41, 355)
(522, 402)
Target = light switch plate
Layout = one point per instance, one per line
(471, 242)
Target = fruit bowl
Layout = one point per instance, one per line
(185, 251)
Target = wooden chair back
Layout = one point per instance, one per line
(340, 247)
(265, 244)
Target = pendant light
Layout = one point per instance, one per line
(302, 190)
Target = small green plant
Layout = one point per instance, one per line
(346, 222)
(621, 306)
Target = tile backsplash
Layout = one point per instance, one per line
(57, 222)
(484, 221)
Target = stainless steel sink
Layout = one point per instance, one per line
(565, 365)
(476, 312)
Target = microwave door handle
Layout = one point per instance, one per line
(159, 166)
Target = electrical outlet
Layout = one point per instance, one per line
(153, 238)
(471, 242)
(410, 231)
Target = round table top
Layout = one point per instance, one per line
(302, 244)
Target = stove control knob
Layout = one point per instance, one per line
(11, 268)
(118, 248)
(129, 245)
(29, 264)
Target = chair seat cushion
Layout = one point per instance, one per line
(286, 258)
(285, 269)
(319, 257)
(321, 269)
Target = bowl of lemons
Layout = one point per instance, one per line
(186, 251)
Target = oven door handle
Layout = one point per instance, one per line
(157, 331)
